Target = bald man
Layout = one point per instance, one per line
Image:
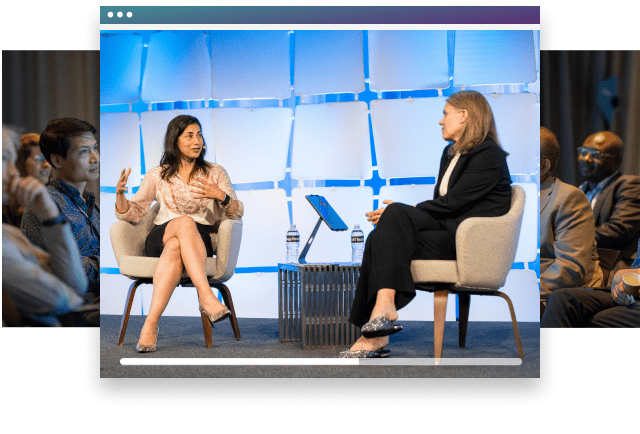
(568, 253)
(614, 198)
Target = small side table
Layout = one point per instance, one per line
(314, 302)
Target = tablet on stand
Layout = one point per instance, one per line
(328, 215)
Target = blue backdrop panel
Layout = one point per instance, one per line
(331, 141)
(492, 57)
(119, 131)
(252, 143)
(120, 68)
(255, 295)
(401, 60)
(328, 62)
(350, 203)
(178, 67)
(154, 128)
(522, 288)
(517, 119)
(407, 136)
(528, 242)
(264, 225)
(340, 130)
(113, 293)
(250, 64)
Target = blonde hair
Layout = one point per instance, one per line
(479, 124)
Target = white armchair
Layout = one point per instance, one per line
(486, 248)
(128, 245)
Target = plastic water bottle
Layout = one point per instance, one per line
(357, 245)
(293, 242)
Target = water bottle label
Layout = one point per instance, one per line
(293, 238)
(357, 239)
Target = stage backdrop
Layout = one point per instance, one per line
(350, 115)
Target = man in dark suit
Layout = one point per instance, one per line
(615, 198)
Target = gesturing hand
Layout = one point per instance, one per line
(121, 186)
(374, 216)
(210, 190)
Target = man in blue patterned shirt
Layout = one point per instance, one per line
(587, 307)
(69, 145)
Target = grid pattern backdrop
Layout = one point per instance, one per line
(350, 115)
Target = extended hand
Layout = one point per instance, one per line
(374, 216)
(32, 194)
(121, 186)
(210, 190)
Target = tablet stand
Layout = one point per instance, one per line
(303, 255)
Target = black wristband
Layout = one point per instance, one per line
(226, 200)
(55, 221)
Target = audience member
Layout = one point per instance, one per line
(568, 252)
(30, 162)
(70, 147)
(42, 285)
(615, 198)
(586, 307)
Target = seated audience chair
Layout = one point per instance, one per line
(486, 248)
(128, 245)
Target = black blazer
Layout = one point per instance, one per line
(479, 186)
(617, 214)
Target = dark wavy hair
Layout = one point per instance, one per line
(56, 138)
(170, 161)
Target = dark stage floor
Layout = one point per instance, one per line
(182, 337)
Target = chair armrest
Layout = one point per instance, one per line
(126, 240)
(484, 256)
(229, 237)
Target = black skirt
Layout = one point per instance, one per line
(153, 245)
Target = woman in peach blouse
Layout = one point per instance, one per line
(184, 185)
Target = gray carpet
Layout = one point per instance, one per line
(182, 337)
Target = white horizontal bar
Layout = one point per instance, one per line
(237, 361)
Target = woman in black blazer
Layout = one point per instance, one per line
(473, 181)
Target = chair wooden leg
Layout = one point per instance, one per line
(440, 312)
(464, 300)
(127, 308)
(206, 327)
(513, 320)
(228, 301)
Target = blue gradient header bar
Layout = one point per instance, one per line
(319, 15)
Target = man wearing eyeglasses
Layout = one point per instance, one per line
(614, 198)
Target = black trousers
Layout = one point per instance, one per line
(585, 307)
(403, 233)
